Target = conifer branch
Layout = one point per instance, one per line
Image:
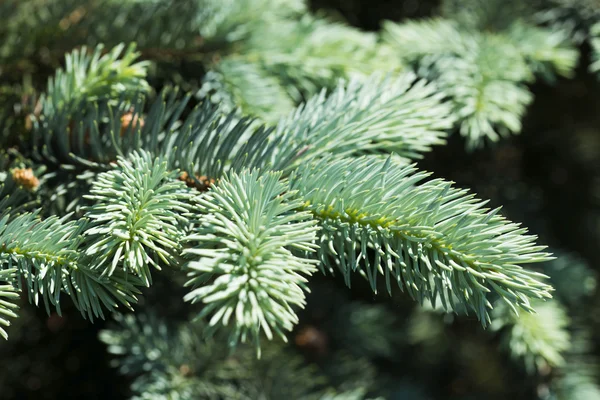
(431, 239)
(138, 216)
(47, 257)
(373, 116)
(484, 73)
(311, 53)
(92, 88)
(43, 253)
(8, 296)
(93, 77)
(249, 252)
(175, 361)
(539, 339)
(164, 358)
(239, 82)
(547, 52)
(243, 265)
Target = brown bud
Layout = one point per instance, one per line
(35, 113)
(185, 370)
(130, 119)
(312, 339)
(201, 183)
(25, 177)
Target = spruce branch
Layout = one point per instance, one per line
(573, 17)
(429, 37)
(486, 15)
(578, 379)
(42, 251)
(210, 143)
(488, 88)
(167, 361)
(484, 73)
(579, 20)
(13, 199)
(243, 266)
(364, 116)
(206, 140)
(81, 111)
(310, 53)
(539, 339)
(93, 76)
(431, 239)
(47, 257)
(547, 52)
(234, 21)
(8, 296)
(92, 292)
(137, 219)
(239, 82)
(171, 361)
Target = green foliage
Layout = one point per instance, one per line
(8, 296)
(249, 250)
(431, 239)
(162, 357)
(544, 51)
(238, 83)
(138, 216)
(246, 240)
(486, 15)
(539, 338)
(43, 253)
(311, 53)
(78, 99)
(574, 17)
(579, 378)
(254, 46)
(173, 362)
(484, 73)
(47, 258)
(399, 115)
(577, 19)
(298, 152)
(94, 77)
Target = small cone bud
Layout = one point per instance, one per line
(130, 119)
(25, 177)
(203, 182)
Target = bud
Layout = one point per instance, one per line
(202, 182)
(130, 119)
(185, 370)
(25, 177)
(312, 339)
